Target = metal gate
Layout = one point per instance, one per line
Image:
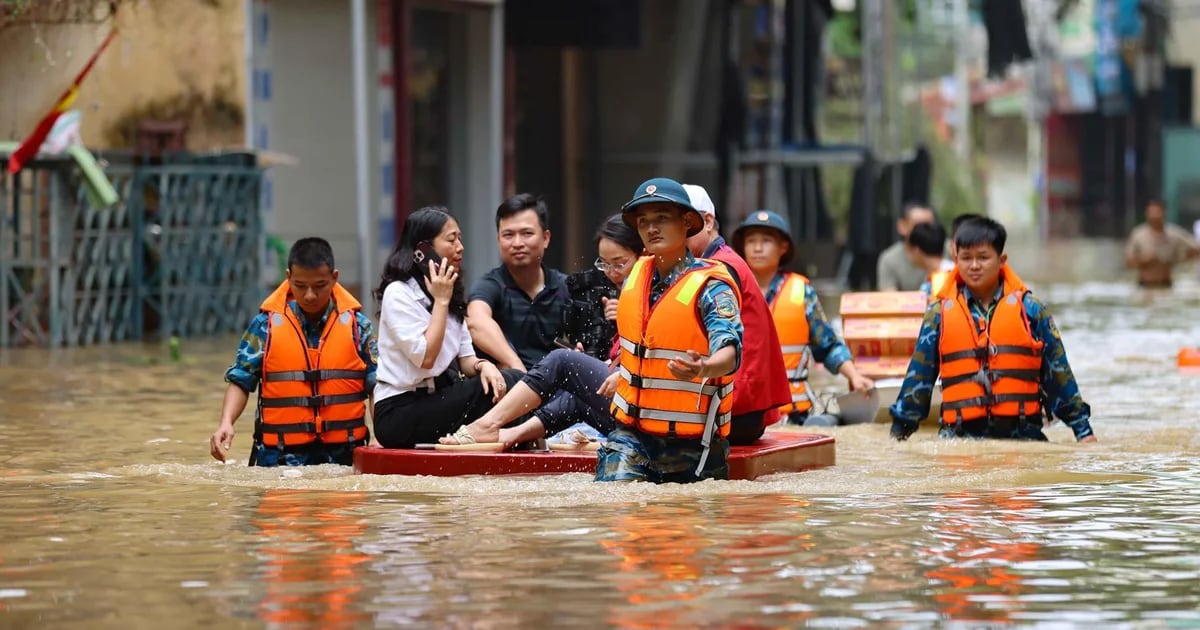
(179, 254)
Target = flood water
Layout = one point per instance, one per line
(115, 515)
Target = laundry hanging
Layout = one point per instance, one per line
(1008, 42)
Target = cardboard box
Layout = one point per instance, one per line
(882, 304)
(881, 337)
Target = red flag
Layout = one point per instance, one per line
(30, 147)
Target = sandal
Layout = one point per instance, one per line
(466, 442)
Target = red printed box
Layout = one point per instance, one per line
(896, 336)
(882, 304)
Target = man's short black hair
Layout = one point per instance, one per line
(311, 253)
(961, 219)
(928, 238)
(1156, 201)
(520, 203)
(980, 231)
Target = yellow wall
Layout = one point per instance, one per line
(189, 50)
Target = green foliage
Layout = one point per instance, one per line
(845, 29)
(955, 189)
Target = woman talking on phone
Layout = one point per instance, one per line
(429, 380)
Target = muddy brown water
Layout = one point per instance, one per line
(115, 516)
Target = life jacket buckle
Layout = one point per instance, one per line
(984, 379)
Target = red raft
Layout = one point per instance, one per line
(776, 452)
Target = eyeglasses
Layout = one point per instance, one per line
(603, 266)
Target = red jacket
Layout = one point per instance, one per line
(761, 382)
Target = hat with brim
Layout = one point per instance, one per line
(661, 190)
(769, 220)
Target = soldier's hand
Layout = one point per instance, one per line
(221, 441)
(901, 429)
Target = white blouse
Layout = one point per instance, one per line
(403, 320)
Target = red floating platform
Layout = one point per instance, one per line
(775, 452)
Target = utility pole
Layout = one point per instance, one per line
(962, 26)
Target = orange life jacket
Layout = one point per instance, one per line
(993, 373)
(311, 394)
(791, 322)
(650, 398)
(937, 282)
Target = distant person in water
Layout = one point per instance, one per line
(895, 271)
(1155, 247)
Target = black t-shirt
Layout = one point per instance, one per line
(530, 326)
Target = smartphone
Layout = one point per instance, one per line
(425, 254)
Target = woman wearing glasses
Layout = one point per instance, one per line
(562, 387)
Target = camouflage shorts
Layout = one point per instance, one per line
(630, 455)
(307, 455)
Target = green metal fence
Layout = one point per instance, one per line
(179, 254)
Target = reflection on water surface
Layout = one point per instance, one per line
(115, 515)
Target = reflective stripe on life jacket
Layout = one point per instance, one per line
(650, 398)
(993, 373)
(311, 394)
(791, 322)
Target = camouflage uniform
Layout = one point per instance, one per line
(630, 455)
(1061, 393)
(246, 373)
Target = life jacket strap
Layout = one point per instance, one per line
(642, 382)
(710, 425)
(313, 376)
(643, 352)
(992, 376)
(312, 402)
(800, 373)
(642, 413)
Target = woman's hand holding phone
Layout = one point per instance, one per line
(440, 281)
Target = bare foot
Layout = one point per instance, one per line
(509, 437)
(531, 429)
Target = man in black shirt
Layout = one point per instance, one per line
(515, 311)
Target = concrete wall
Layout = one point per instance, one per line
(309, 115)
(164, 50)
(304, 53)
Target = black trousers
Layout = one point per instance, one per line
(746, 428)
(421, 417)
